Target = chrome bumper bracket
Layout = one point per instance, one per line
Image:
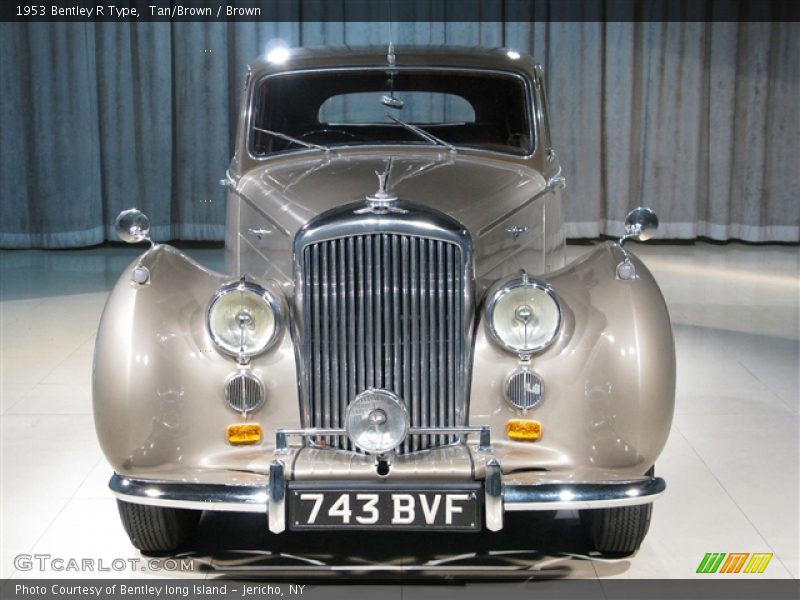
(277, 497)
(493, 499)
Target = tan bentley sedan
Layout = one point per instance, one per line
(397, 342)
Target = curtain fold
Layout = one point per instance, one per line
(698, 120)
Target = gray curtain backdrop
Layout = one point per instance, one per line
(698, 120)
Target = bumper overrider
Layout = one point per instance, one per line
(497, 495)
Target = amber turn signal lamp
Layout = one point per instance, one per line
(246, 433)
(523, 430)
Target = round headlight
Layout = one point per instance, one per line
(524, 315)
(377, 421)
(243, 319)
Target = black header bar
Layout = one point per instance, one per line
(132, 11)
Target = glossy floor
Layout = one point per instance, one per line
(731, 462)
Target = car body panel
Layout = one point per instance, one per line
(158, 383)
(489, 197)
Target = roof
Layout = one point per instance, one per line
(292, 59)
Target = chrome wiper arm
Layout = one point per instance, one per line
(289, 138)
(422, 133)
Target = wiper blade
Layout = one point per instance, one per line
(289, 138)
(422, 133)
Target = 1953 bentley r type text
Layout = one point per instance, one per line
(397, 342)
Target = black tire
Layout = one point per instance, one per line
(158, 529)
(617, 531)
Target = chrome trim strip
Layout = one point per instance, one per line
(578, 496)
(197, 496)
(277, 497)
(493, 491)
(484, 445)
(531, 110)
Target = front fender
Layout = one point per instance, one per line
(158, 381)
(609, 378)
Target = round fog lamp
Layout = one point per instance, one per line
(377, 421)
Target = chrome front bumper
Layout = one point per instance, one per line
(499, 497)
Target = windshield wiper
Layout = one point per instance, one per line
(289, 138)
(422, 133)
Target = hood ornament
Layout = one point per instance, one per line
(390, 56)
(382, 201)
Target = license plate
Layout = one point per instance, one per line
(360, 506)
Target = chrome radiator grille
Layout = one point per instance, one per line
(384, 311)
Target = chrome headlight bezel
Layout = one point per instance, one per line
(271, 303)
(503, 291)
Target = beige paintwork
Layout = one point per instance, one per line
(487, 195)
(609, 381)
(609, 378)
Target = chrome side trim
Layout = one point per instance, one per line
(578, 496)
(277, 497)
(197, 496)
(493, 491)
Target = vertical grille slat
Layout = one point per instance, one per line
(414, 323)
(332, 408)
(425, 347)
(354, 369)
(451, 342)
(434, 341)
(387, 311)
(368, 315)
(344, 364)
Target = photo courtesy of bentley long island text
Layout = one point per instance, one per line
(397, 342)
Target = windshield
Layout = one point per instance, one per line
(461, 108)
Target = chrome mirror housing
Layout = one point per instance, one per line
(641, 225)
(132, 226)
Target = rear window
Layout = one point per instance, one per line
(417, 107)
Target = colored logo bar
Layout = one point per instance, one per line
(735, 562)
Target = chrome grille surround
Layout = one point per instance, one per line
(384, 299)
(244, 392)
